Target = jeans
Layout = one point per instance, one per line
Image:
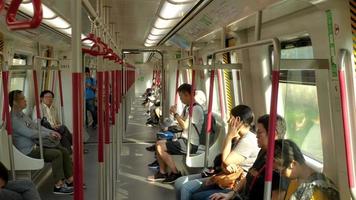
(205, 192)
(20, 190)
(185, 186)
(90, 105)
(60, 159)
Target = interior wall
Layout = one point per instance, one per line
(144, 74)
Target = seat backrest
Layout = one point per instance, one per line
(22, 161)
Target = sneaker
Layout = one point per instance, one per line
(172, 177)
(153, 165)
(70, 185)
(151, 148)
(62, 190)
(157, 177)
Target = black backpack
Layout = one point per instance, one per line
(202, 134)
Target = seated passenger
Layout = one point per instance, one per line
(25, 134)
(165, 149)
(306, 183)
(50, 119)
(16, 189)
(239, 150)
(252, 186)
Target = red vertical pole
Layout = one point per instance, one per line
(192, 99)
(211, 99)
(77, 134)
(272, 129)
(107, 108)
(113, 96)
(6, 112)
(37, 101)
(60, 87)
(100, 118)
(346, 126)
(119, 85)
(176, 93)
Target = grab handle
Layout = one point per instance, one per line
(13, 24)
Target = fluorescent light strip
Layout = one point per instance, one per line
(28, 9)
(164, 23)
(57, 22)
(155, 31)
(154, 37)
(173, 11)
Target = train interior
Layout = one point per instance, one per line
(229, 50)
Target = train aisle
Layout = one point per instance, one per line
(134, 159)
(90, 173)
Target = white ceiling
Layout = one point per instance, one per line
(133, 19)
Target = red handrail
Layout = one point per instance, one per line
(113, 97)
(37, 101)
(107, 108)
(5, 82)
(100, 118)
(95, 49)
(346, 126)
(2, 4)
(13, 24)
(60, 88)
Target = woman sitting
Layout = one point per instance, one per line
(305, 184)
(50, 119)
(238, 153)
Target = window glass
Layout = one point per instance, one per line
(17, 83)
(301, 113)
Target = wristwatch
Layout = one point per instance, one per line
(175, 115)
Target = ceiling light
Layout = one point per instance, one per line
(57, 22)
(151, 41)
(28, 9)
(182, 1)
(155, 31)
(154, 37)
(149, 45)
(173, 11)
(67, 31)
(164, 23)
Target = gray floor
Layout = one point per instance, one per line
(133, 171)
(134, 159)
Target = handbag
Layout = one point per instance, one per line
(47, 141)
(227, 181)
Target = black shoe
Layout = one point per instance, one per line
(153, 165)
(151, 148)
(172, 177)
(62, 190)
(70, 185)
(157, 177)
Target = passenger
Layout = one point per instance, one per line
(252, 187)
(50, 119)
(16, 189)
(242, 154)
(90, 88)
(26, 131)
(165, 149)
(306, 183)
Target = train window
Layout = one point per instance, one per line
(17, 83)
(298, 100)
(301, 111)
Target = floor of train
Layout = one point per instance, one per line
(132, 183)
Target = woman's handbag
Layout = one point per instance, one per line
(227, 181)
(48, 142)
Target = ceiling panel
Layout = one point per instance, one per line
(133, 19)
